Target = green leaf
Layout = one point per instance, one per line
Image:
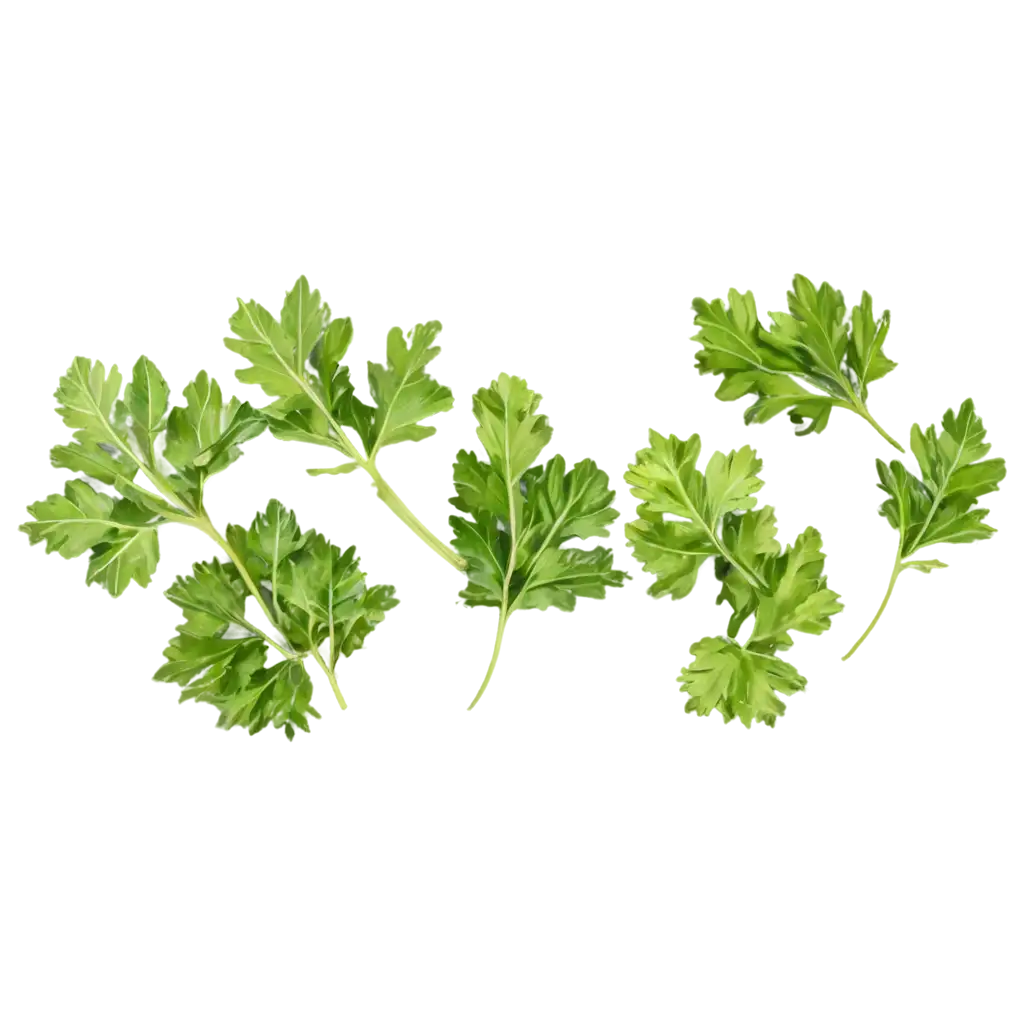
(798, 596)
(345, 467)
(273, 340)
(405, 395)
(519, 517)
(298, 361)
(326, 596)
(695, 508)
(122, 536)
(810, 346)
(269, 655)
(205, 432)
(687, 517)
(297, 354)
(737, 682)
(138, 454)
(938, 507)
(540, 509)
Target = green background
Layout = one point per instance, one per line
(517, 176)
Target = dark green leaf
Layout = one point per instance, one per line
(540, 508)
(269, 658)
(811, 345)
(938, 507)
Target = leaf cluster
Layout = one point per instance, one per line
(144, 464)
(813, 344)
(937, 507)
(687, 517)
(823, 352)
(120, 438)
(157, 460)
(521, 516)
(298, 360)
(314, 592)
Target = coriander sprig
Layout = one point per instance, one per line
(688, 516)
(321, 606)
(295, 353)
(824, 352)
(306, 588)
(138, 458)
(937, 507)
(813, 343)
(519, 516)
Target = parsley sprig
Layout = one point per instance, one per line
(687, 517)
(297, 360)
(937, 507)
(138, 458)
(520, 515)
(309, 592)
(825, 352)
(813, 343)
(266, 658)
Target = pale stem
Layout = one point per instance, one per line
(897, 569)
(335, 687)
(862, 410)
(400, 509)
(877, 614)
(502, 619)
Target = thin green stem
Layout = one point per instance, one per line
(862, 410)
(513, 533)
(335, 687)
(876, 616)
(410, 517)
(502, 620)
(203, 523)
(896, 570)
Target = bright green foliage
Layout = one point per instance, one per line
(298, 356)
(813, 344)
(520, 516)
(666, 480)
(740, 683)
(117, 441)
(688, 516)
(313, 594)
(939, 495)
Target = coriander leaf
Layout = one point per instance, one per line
(742, 672)
(138, 456)
(207, 429)
(938, 507)
(813, 344)
(686, 517)
(666, 480)
(327, 597)
(266, 654)
(739, 683)
(403, 392)
(122, 537)
(125, 430)
(298, 362)
(940, 494)
(798, 597)
(274, 339)
(520, 516)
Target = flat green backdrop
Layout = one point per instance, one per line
(549, 186)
